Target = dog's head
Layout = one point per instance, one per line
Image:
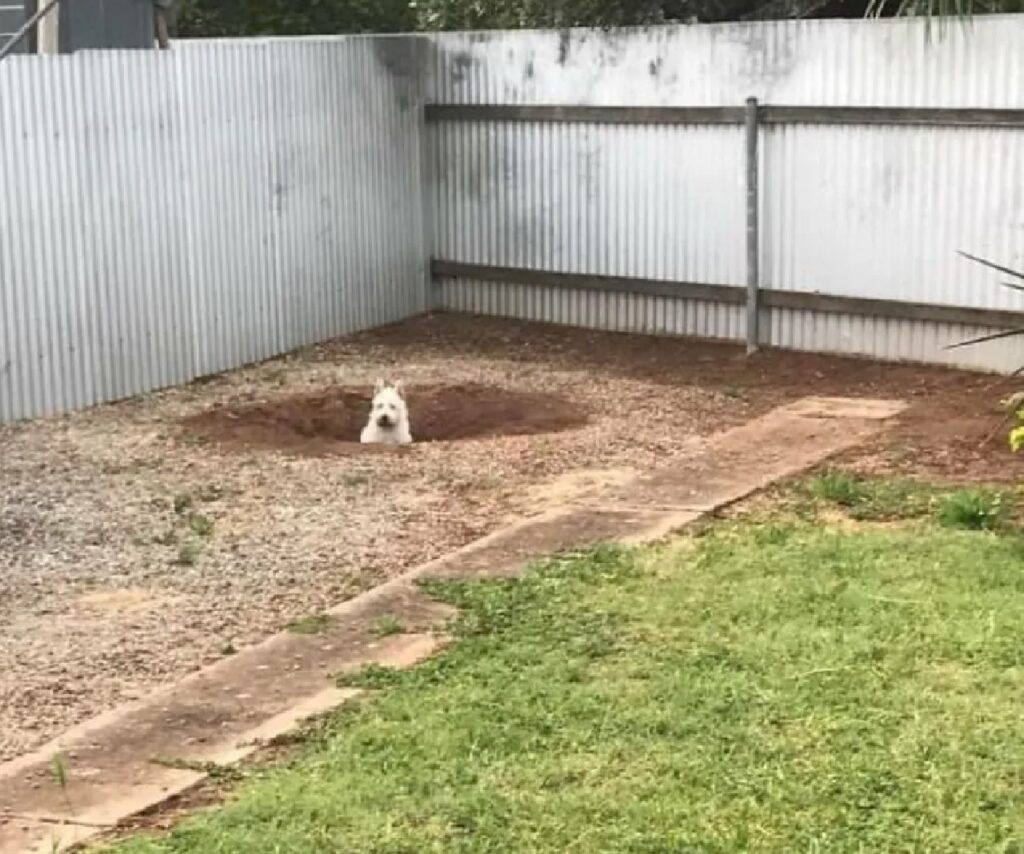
(388, 406)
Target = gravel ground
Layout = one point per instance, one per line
(131, 553)
(109, 589)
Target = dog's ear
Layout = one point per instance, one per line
(379, 386)
(399, 387)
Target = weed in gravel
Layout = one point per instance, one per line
(389, 625)
(352, 479)
(182, 503)
(200, 525)
(59, 769)
(314, 625)
(188, 553)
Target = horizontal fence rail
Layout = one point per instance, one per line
(735, 295)
(768, 114)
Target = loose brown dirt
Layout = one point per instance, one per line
(329, 422)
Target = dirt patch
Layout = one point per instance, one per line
(329, 422)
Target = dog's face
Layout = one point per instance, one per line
(388, 406)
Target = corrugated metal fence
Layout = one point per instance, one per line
(170, 215)
(854, 209)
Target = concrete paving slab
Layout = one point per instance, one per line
(40, 837)
(741, 461)
(571, 529)
(871, 409)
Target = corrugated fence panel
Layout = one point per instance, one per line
(169, 215)
(859, 211)
(311, 182)
(604, 199)
(616, 312)
(890, 339)
(91, 231)
(652, 202)
(881, 211)
(231, 184)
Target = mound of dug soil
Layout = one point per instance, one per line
(330, 421)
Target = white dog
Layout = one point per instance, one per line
(389, 416)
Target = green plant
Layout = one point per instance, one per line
(838, 487)
(973, 510)
(200, 525)
(188, 553)
(59, 770)
(1015, 403)
(873, 498)
(389, 625)
(312, 625)
(373, 677)
(182, 503)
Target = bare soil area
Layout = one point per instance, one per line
(329, 422)
(141, 540)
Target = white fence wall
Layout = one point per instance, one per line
(846, 210)
(170, 215)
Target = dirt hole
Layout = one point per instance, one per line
(330, 421)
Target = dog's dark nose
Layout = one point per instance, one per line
(383, 421)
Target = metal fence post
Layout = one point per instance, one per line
(753, 241)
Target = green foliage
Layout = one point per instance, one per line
(838, 487)
(227, 18)
(1017, 433)
(499, 14)
(872, 499)
(212, 18)
(974, 510)
(1014, 403)
(372, 677)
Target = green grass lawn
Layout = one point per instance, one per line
(772, 685)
